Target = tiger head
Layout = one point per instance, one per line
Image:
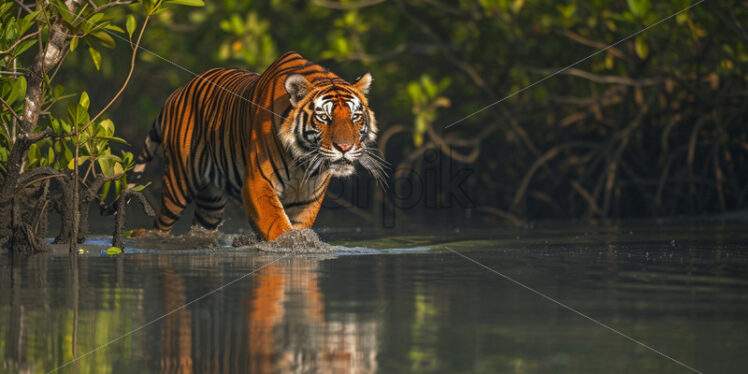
(330, 127)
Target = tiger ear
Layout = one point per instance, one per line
(297, 87)
(363, 83)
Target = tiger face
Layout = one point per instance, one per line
(330, 128)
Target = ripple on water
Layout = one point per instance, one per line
(199, 240)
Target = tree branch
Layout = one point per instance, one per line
(23, 6)
(100, 8)
(10, 108)
(605, 79)
(19, 41)
(594, 44)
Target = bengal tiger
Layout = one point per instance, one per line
(273, 140)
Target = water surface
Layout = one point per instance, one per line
(391, 303)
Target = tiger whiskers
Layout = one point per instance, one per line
(313, 166)
(304, 159)
(317, 160)
(375, 165)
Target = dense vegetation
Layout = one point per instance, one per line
(41, 141)
(653, 126)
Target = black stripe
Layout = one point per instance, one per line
(298, 203)
(276, 172)
(209, 199)
(170, 214)
(262, 174)
(209, 226)
(282, 157)
(164, 223)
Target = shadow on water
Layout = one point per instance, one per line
(393, 304)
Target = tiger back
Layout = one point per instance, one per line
(273, 140)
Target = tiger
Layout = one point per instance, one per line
(272, 141)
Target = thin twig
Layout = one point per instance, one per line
(33, 182)
(19, 41)
(12, 73)
(12, 111)
(127, 80)
(23, 6)
(591, 43)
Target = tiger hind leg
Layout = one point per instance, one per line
(209, 204)
(174, 198)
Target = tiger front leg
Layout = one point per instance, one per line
(302, 215)
(263, 207)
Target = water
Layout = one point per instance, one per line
(399, 304)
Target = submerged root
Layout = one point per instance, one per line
(25, 241)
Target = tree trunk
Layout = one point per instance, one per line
(21, 234)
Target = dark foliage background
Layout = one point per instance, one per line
(654, 126)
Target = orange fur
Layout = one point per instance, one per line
(234, 132)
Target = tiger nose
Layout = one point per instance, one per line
(343, 147)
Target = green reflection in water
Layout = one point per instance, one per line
(419, 312)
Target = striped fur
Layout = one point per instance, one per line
(274, 140)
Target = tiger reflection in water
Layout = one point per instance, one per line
(288, 332)
(284, 328)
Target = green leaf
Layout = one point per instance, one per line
(639, 7)
(64, 12)
(114, 139)
(104, 38)
(65, 126)
(109, 156)
(96, 57)
(5, 7)
(118, 170)
(127, 158)
(55, 123)
(18, 90)
(108, 126)
(105, 190)
(68, 153)
(24, 46)
(27, 21)
(73, 43)
(58, 91)
(141, 187)
(640, 45)
(10, 30)
(186, 2)
(148, 5)
(105, 166)
(84, 101)
(81, 160)
(113, 251)
(95, 19)
(130, 25)
(34, 154)
(114, 28)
